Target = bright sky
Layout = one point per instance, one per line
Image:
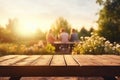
(43, 13)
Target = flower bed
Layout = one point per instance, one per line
(96, 45)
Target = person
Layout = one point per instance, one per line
(64, 36)
(50, 37)
(74, 36)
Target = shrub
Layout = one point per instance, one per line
(14, 48)
(96, 45)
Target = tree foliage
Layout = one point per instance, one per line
(10, 33)
(83, 32)
(109, 19)
(59, 24)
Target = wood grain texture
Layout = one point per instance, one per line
(27, 61)
(70, 60)
(60, 65)
(58, 60)
(43, 60)
(97, 60)
(12, 61)
(7, 57)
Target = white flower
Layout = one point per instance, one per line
(111, 45)
(86, 38)
(107, 42)
(91, 33)
(117, 46)
(90, 50)
(113, 48)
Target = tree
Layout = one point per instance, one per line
(90, 31)
(12, 25)
(5, 35)
(61, 23)
(109, 20)
(83, 32)
(40, 35)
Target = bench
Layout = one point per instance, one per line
(16, 66)
(64, 47)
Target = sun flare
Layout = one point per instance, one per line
(27, 28)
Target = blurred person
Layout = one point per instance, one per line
(74, 36)
(64, 36)
(50, 38)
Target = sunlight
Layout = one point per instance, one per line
(44, 26)
(27, 28)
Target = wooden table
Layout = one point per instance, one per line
(18, 66)
(65, 47)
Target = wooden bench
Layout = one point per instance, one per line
(64, 47)
(17, 66)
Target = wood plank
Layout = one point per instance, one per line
(86, 60)
(7, 57)
(27, 61)
(100, 60)
(108, 60)
(70, 60)
(117, 57)
(113, 57)
(58, 60)
(13, 60)
(44, 60)
(97, 60)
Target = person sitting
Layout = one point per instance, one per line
(74, 36)
(64, 37)
(50, 37)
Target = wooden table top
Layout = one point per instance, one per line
(60, 60)
(60, 65)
